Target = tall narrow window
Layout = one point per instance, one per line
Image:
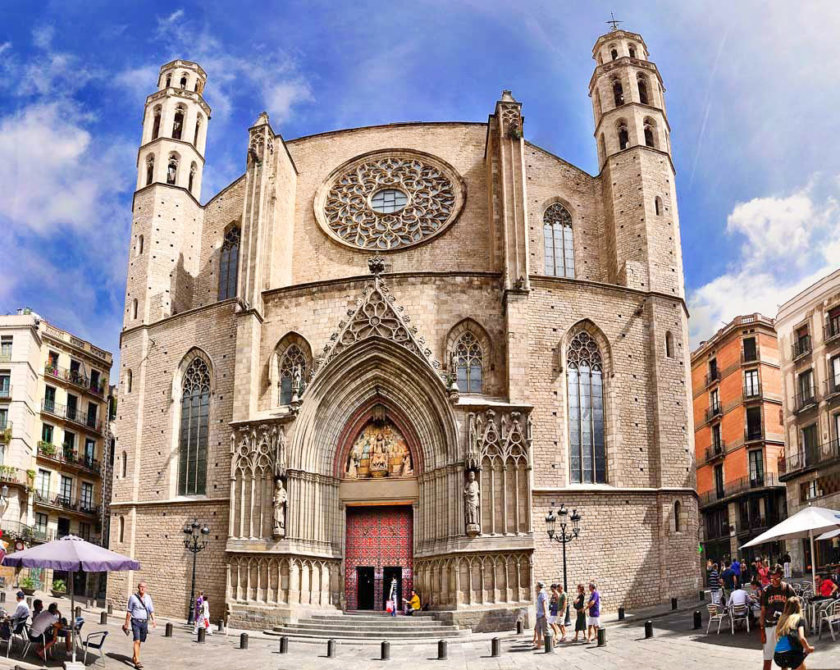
(468, 364)
(618, 93)
(197, 129)
(150, 169)
(586, 410)
(172, 169)
(193, 170)
(559, 242)
(156, 124)
(195, 410)
(122, 529)
(168, 80)
(719, 490)
(669, 344)
(643, 89)
(756, 467)
(623, 137)
(293, 360)
(603, 146)
(751, 384)
(754, 426)
(614, 53)
(134, 308)
(677, 511)
(657, 205)
(649, 136)
(178, 123)
(124, 464)
(632, 51)
(139, 245)
(229, 264)
(128, 380)
(183, 81)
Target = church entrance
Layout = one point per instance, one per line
(378, 555)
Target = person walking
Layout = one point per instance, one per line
(786, 564)
(736, 568)
(580, 616)
(541, 626)
(773, 601)
(714, 584)
(560, 620)
(593, 616)
(552, 612)
(791, 644)
(139, 612)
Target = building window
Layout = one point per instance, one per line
(714, 401)
(69, 444)
(623, 136)
(810, 445)
(649, 128)
(757, 467)
(5, 383)
(41, 524)
(229, 264)
(832, 326)
(122, 529)
(618, 93)
(4, 418)
(191, 183)
(750, 350)
(128, 381)
(657, 205)
(139, 245)
(614, 53)
(805, 384)
(632, 51)
(195, 409)
(197, 128)
(178, 123)
(677, 510)
(156, 124)
(293, 359)
(87, 496)
(43, 484)
(6, 347)
(717, 443)
(134, 308)
(602, 144)
(669, 344)
(66, 490)
(754, 431)
(834, 375)
(172, 169)
(124, 464)
(802, 341)
(150, 169)
(719, 488)
(586, 410)
(90, 452)
(559, 242)
(751, 384)
(643, 89)
(468, 364)
(47, 433)
(84, 530)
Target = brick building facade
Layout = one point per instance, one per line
(738, 435)
(378, 317)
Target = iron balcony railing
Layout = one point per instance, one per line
(75, 378)
(739, 486)
(805, 400)
(12, 475)
(714, 411)
(71, 413)
(752, 391)
(755, 524)
(65, 502)
(754, 434)
(832, 387)
(810, 456)
(51, 452)
(750, 356)
(712, 376)
(832, 329)
(715, 451)
(802, 346)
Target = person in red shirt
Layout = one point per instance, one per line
(826, 588)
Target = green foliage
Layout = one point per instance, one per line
(59, 585)
(26, 583)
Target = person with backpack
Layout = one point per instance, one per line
(791, 644)
(139, 612)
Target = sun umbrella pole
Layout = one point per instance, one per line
(72, 613)
(813, 562)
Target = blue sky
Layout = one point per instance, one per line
(752, 101)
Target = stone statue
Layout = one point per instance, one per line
(353, 464)
(297, 383)
(406, 466)
(472, 504)
(378, 456)
(280, 499)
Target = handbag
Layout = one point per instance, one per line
(389, 606)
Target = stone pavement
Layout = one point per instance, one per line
(674, 646)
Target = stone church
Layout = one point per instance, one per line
(380, 356)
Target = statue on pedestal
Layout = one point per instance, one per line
(280, 499)
(472, 505)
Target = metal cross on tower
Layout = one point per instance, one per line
(613, 22)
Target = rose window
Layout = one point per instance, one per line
(389, 201)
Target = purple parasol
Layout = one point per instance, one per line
(71, 554)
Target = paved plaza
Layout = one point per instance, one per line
(674, 645)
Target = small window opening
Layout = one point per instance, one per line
(643, 91)
(614, 53)
(618, 93)
(156, 124)
(657, 205)
(183, 81)
(178, 124)
(134, 308)
(649, 136)
(150, 169)
(632, 51)
(669, 344)
(623, 137)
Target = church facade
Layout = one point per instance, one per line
(379, 357)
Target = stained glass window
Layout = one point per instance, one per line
(292, 358)
(195, 414)
(229, 265)
(468, 364)
(586, 410)
(559, 243)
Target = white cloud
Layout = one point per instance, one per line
(787, 243)
(165, 24)
(5, 46)
(281, 97)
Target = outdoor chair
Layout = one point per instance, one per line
(80, 621)
(20, 630)
(830, 614)
(739, 613)
(95, 641)
(716, 613)
(40, 639)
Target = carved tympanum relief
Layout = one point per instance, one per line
(380, 450)
(389, 200)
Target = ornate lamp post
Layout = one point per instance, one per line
(563, 537)
(195, 540)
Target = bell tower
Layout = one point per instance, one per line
(634, 155)
(167, 216)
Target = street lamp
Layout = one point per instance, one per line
(195, 540)
(563, 537)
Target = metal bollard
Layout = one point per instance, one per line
(495, 647)
(673, 603)
(2, 596)
(602, 637)
(168, 631)
(103, 618)
(386, 650)
(78, 611)
(331, 648)
(243, 641)
(698, 619)
(648, 629)
(110, 608)
(702, 596)
(519, 626)
(284, 645)
(443, 650)
(621, 614)
(202, 632)
(549, 642)
(221, 625)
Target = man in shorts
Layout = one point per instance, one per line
(541, 626)
(138, 614)
(773, 600)
(593, 613)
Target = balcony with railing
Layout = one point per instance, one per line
(752, 392)
(758, 524)
(714, 411)
(832, 330)
(754, 434)
(832, 388)
(75, 378)
(808, 458)
(715, 452)
(805, 400)
(712, 376)
(65, 503)
(739, 487)
(66, 456)
(748, 357)
(801, 347)
(72, 414)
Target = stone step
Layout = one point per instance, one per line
(327, 633)
(408, 622)
(354, 627)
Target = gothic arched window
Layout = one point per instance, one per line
(643, 89)
(613, 53)
(172, 169)
(197, 129)
(649, 130)
(178, 123)
(618, 93)
(183, 81)
(632, 51)
(559, 243)
(293, 359)
(587, 463)
(677, 512)
(156, 124)
(193, 170)
(623, 137)
(150, 169)
(195, 420)
(229, 264)
(468, 363)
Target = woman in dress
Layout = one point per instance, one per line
(580, 621)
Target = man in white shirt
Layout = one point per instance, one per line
(44, 624)
(738, 597)
(22, 611)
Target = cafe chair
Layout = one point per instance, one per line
(95, 641)
(740, 613)
(717, 613)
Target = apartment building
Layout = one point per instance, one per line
(809, 335)
(738, 435)
(53, 422)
